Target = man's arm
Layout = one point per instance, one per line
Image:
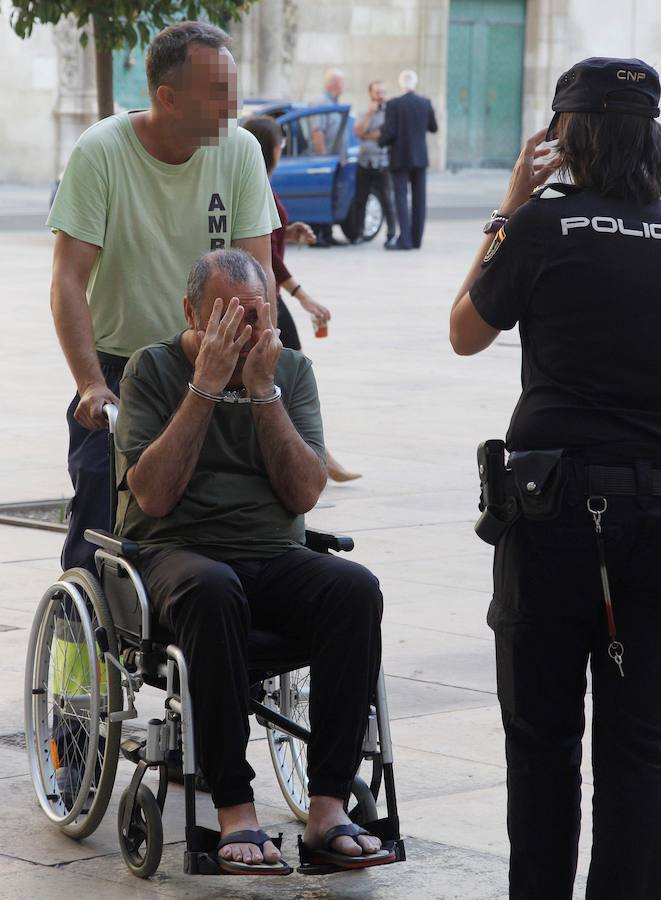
(260, 247)
(295, 472)
(318, 141)
(362, 125)
(161, 475)
(387, 135)
(73, 261)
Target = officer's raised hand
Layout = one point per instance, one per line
(219, 346)
(259, 368)
(528, 173)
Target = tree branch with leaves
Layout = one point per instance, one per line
(115, 24)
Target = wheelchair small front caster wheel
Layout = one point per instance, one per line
(142, 846)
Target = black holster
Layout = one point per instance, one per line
(530, 485)
(498, 503)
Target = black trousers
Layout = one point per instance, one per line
(90, 475)
(379, 181)
(549, 621)
(331, 605)
(411, 226)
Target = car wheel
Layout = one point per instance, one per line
(373, 217)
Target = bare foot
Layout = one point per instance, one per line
(241, 818)
(326, 813)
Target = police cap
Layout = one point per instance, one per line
(605, 84)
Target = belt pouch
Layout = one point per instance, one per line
(539, 482)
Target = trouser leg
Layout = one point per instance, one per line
(626, 742)
(203, 603)
(363, 184)
(401, 183)
(418, 204)
(90, 475)
(384, 187)
(541, 700)
(546, 606)
(335, 606)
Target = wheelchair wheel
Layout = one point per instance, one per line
(289, 695)
(142, 846)
(72, 745)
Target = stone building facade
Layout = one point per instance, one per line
(489, 67)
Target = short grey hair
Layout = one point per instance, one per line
(408, 80)
(238, 267)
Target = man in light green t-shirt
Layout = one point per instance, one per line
(144, 194)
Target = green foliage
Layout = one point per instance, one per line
(118, 23)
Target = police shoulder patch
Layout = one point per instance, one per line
(495, 245)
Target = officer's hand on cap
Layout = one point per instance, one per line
(528, 173)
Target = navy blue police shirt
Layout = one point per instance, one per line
(581, 274)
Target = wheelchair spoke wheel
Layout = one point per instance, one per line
(289, 695)
(142, 845)
(69, 693)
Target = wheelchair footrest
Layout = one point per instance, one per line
(201, 863)
(201, 855)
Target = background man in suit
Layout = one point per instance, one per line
(408, 119)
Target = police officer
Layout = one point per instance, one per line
(577, 576)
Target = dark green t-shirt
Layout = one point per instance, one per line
(229, 503)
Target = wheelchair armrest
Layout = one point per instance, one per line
(322, 542)
(113, 544)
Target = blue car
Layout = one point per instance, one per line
(317, 186)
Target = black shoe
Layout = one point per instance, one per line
(333, 242)
(358, 240)
(320, 242)
(397, 246)
(390, 243)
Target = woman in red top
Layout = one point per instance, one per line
(269, 134)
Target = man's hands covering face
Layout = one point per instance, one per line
(220, 346)
(259, 368)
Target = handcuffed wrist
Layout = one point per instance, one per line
(275, 394)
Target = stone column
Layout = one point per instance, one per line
(76, 107)
(433, 18)
(264, 47)
(545, 58)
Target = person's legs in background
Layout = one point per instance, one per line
(364, 178)
(400, 179)
(418, 204)
(383, 184)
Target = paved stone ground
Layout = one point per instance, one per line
(402, 409)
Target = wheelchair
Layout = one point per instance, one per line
(94, 643)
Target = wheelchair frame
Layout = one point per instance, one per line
(148, 661)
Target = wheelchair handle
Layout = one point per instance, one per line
(110, 412)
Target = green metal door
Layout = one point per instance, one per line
(485, 82)
(129, 80)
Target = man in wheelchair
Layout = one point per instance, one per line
(219, 454)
